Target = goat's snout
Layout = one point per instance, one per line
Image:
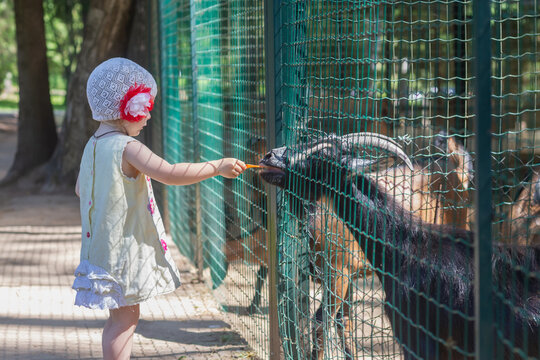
(267, 156)
(275, 157)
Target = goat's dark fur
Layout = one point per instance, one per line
(429, 297)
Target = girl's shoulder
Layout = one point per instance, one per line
(106, 145)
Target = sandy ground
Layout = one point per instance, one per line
(40, 242)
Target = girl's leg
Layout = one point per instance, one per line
(118, 332)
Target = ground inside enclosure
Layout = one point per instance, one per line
(369, 328)
(40, 242)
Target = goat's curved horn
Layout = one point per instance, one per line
(376, 140)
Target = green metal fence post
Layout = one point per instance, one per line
(271, 44)
(482, 242)
(199, 262)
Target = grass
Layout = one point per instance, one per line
(11, 103)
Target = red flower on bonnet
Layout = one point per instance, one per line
(137, 103)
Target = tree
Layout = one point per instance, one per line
(106, 35)
(36, 137)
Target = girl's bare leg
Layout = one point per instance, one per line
(117, 338)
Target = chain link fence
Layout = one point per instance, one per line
(378, 260)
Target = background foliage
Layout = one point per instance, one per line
(64, 26)
(8, 55)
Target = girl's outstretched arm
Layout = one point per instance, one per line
(144, 160)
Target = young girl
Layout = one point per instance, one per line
(124, 256)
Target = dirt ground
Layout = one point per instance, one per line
(40, 241)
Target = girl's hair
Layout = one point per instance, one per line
(116, 123)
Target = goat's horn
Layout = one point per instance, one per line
(376, 140)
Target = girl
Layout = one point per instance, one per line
(124, 257)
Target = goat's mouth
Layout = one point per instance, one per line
(272, 175)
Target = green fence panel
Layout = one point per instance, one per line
(215, 74)
(515, 151)
(177, 117)
(332, 83)
(244, 292)
(210, 119)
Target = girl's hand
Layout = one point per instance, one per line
(230, 167)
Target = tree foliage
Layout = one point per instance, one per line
(8, 55)
(64, 23)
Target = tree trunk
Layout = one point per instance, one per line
(36, 136)
(106, 35)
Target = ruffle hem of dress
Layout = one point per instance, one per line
(96, 289)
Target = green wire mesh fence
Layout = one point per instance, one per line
(375, 254)
(212, 55)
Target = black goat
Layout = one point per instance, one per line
(426, 269)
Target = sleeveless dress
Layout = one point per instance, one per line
(124, 257)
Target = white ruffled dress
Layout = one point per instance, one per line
(124, 255)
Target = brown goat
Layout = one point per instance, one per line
(523, 226)
(436, 190)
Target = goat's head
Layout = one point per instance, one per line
(320, 161)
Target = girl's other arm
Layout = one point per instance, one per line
(145, 161)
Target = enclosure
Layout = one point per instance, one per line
(424, 253)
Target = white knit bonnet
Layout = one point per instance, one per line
(109, 83)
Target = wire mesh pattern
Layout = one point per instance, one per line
(376, 232)
(215, 110)
(515, 108)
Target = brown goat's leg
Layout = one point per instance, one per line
(250, 249)
(254, 242)
(334, 295)
(317, 351)
(341, 313)
(255, 305)
(348, 335)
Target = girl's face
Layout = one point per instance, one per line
(134, 128)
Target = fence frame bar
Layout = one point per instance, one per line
(272, 42)
(483, 306)
(199, 261)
